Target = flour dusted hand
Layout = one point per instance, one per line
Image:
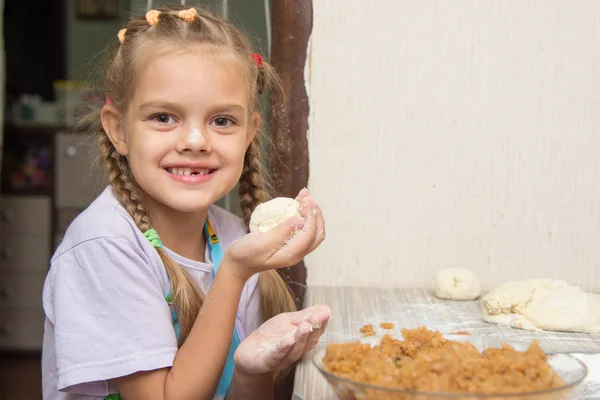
(282, 340)
(267, 216)
(283, 246)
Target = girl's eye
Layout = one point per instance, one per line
(223, 122)
(163, 118)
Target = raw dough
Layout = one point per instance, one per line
(543, 304)
(456, 284)
(269, 215)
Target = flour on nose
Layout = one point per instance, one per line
(194, 136)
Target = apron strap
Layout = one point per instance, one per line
(216, 256)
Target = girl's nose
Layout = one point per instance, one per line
(194, 141)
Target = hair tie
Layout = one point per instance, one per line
(188, 15)
(108, 102)
(152, 17)
(121, 35)
(260, 81)
(258, 59)
(153, 238)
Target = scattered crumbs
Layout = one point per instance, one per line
(461, 333)
(368, 330)
(386, 325)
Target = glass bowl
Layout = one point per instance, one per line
(569, 368)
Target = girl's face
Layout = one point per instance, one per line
(187, 128)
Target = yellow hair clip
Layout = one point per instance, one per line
(188, 15)
(152, 17)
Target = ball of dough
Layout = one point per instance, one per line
(269, 215)
(456, 284)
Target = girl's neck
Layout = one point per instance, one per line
(182, 233)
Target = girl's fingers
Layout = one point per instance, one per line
(301, 336)
(295, 249)
(303, 193)
(320, 230)
(266, 244)
(319, 326)
(311, 314)
(278, 354)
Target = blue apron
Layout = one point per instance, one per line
(216, 255)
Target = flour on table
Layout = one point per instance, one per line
(441, 317)
(543, 304)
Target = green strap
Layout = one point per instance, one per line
(153, 238)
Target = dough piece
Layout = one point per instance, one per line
(456, 284)
(543, 304)
(269, 215)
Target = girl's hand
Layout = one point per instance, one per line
(281, 341)
(284, 246)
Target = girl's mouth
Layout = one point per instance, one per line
(190, 171)
(190, 175)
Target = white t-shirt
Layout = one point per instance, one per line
(104, 300)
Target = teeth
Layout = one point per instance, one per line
(188, 171)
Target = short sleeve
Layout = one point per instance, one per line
(106, 304)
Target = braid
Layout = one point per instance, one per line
(124, 188)
(275, 295)
(187, 297)
(252, 187)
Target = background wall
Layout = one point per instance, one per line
(456, 133)
(249, 15)
(87, 39)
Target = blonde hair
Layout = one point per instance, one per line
(169, 29)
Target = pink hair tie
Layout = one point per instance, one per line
(108, 102)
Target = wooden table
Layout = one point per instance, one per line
(355, 307)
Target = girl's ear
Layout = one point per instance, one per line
(111, 122)
(253, 128)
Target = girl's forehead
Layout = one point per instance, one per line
(186, 76)
(192, 55)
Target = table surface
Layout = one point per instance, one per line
(408, 308)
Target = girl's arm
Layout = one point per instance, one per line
(199, 362)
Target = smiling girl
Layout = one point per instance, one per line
(155, 292)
